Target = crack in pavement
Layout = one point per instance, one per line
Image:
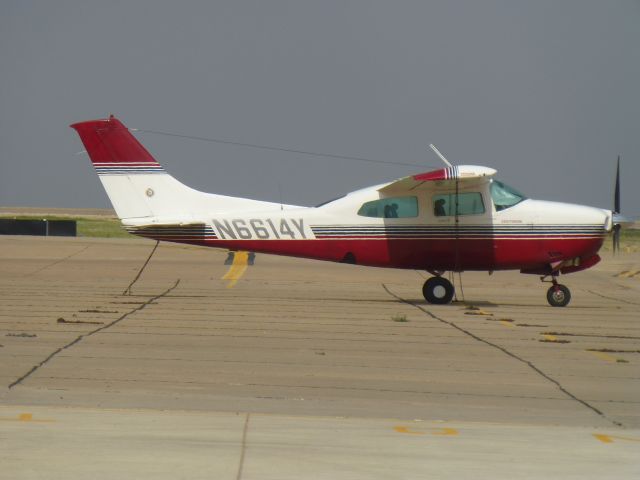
(607, 297)
(127, 291)
(509, 353)
(88, 334)
(243, 446)
(60, 260)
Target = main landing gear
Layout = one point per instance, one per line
(438, 290)
(558, 295)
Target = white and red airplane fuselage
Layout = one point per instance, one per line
(452, 219)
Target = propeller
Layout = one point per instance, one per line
(617, 218)
(616, 237)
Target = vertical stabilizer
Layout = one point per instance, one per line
(140, 190)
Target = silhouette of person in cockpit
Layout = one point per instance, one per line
(391, 211)
(438, 208)
(394, 210)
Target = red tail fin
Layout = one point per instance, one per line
(140, 189)
(112, 148)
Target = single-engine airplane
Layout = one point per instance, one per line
(451, 219)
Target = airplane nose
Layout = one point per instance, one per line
(571, 214)
(608, 224)
(602, 217)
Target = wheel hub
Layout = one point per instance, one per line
(439, 291)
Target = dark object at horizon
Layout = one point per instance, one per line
(51, 228)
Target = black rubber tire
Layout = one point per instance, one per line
(438, 290)
(558, 296)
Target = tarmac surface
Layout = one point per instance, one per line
(299, 369)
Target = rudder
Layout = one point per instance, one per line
(113, 149)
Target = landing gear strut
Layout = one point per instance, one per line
(438, 290)
(558, 295)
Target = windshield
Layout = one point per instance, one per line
(504, 196)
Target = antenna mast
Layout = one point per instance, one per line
(433, 147)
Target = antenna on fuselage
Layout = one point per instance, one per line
(433, 147)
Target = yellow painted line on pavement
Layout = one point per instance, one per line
(437, 431)
(628, 273)
(25, 418)
(610, 438)
(237, 269)
(603, 356)
(402, 429)
(445, 431)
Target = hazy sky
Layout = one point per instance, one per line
(546, 92)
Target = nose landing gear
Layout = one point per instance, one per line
(438, 290)
(558, 295)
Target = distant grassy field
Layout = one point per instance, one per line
(629, 241)
(87, 227)
(108, 228)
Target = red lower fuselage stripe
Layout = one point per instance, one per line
(419, 253)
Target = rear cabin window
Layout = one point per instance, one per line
(400, 207)
(468, 204)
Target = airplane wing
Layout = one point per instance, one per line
(442, 177)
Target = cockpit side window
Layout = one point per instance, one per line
(504, 196)
(399, 207)
(469, 203)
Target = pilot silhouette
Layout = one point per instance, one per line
(438, 208)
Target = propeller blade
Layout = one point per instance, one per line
(616, 237)
(617, 218)
(616, 195)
